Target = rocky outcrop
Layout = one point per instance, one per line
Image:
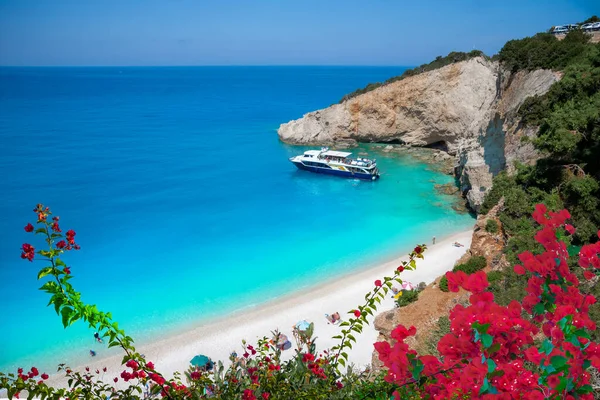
(469, 109)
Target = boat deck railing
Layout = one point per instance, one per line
(351, 162)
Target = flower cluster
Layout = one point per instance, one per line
(491, 348)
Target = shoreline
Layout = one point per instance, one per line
(217, 338)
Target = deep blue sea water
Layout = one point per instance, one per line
(183, 198)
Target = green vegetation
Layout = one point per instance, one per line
(474, 264)
(408, 296)
(494, 276)
(568, 174)
(441, 329)
(544, 50)
(491, 226)
(439, 62)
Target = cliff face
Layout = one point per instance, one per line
(468, 108)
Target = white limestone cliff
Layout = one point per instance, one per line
(468, 108)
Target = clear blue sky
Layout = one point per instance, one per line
(257, 32)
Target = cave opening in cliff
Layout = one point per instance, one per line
(439, 145)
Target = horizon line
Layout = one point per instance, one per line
(206, 66)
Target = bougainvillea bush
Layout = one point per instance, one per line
(535, 348)
(538, 348)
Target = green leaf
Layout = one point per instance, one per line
(538, 309)
(345, 355)
(493, 348)
(44, 271)
(547, 347)
(341, 361)
(485, 387)
(486, 340)
(558, 361)
(66, 312)
(584, 389)
(351, 338)
(582, 333)
(40, 230)
(491, 365)
(418, 368)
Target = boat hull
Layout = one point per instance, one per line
(336, 172)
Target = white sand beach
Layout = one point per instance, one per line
(218, 339)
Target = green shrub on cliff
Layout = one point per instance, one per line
(439, 62)
(544, 50)
(491, 226)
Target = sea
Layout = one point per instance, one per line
(183, 199)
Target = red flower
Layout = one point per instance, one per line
(68, 272)
(400, 268)
(308, 357)
(116, 379)
(71, 236)
(570, 229)
(61, 245)
(34, 371)
(195, 375)
(44, 376)
(533, 355)
(339, 384)
(150, 365)
(418, 249)
(266, 395)
(29, 228)
(248, 395)
(132, 364)
(55, 227)
(28, 252)
(455, 280)
(356, 313)
(378, 283)
(519, 270)
(588, 274)
(553, 380)
(477, 282)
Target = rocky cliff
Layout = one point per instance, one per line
(467, 108)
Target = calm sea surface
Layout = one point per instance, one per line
(183, 198)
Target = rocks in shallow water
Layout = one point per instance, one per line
(460, 207)
(345, 143)
(447, 188)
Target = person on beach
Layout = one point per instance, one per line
(433, 240)
(92, 353)
(456, 244)
(97, 337)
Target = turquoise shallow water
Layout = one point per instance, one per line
(183, 199)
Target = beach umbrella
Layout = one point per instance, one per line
(282, 339)
(200, 360)
(303, 325)
(407, 286)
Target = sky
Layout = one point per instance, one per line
(261, 32)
